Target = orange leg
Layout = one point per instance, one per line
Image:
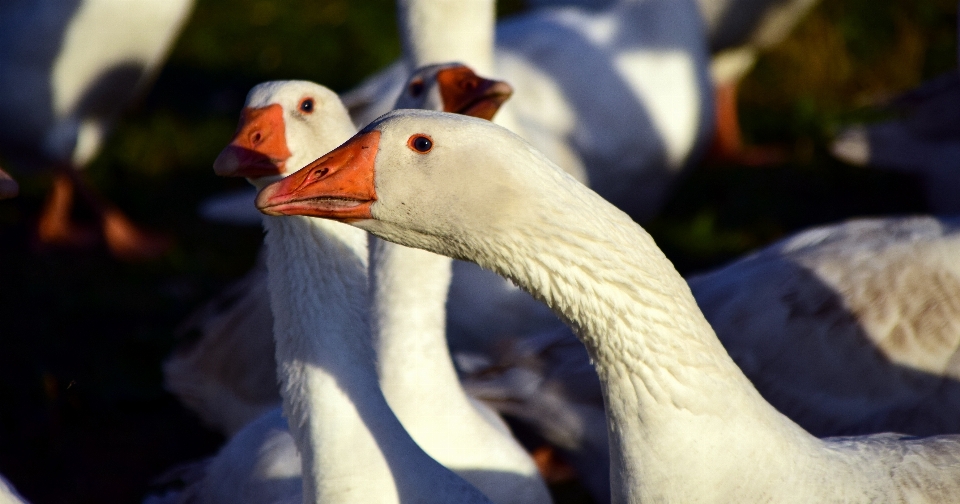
(128, 242)
(56, 226)
(728, 146)
(123, 238)
(552, 468)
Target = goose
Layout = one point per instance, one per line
(8, 187)
(737, 32)
(353, 448)
(419, 382)
(923, 142)
(67, 69)
(684, 423)
(620, 98)
(219, 371)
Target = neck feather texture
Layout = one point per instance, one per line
(353, 447)
(683, 420)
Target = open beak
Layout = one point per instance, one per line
(337, 186)
(259, 147)
(464, 92)
(8, 186)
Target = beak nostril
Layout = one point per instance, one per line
(256, 138)
(319, 174)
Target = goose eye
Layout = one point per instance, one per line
(416, 88)
(420, 143)
(306, 105)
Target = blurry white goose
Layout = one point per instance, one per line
(619, 98)
(684, 423)
(8, 187)
(67, 70)
(219, 371)
(737, 31)
(924, 141)
(8, 494)
(417, 376)
(353, 448)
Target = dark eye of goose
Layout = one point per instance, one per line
(306, 105)
(420, 143)
(416, 88)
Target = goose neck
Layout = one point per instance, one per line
(352, 445)
(440, 31)
(682, 417)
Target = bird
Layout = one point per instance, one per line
(620, 98)
(684, 422)
(353, 447)
(219, 369)
(67, 71)
(921, 141)
(419, 380)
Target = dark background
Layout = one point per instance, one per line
(83, 415)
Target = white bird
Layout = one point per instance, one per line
(353, 448)
(67, 70)
(684, 423)
(923, 141)
(619, 98)
(219, 371)
(416, 373)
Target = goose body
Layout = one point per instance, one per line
(67, 70)
(684, 423)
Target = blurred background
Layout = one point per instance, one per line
(83, 413)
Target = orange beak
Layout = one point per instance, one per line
(8, 186)
(259, 147)
(337, 186)
(464, 92)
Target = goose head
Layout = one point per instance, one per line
(283, 126)
(453, 87)
(424, 179)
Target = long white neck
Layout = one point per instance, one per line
(409, 288)
(417, 377)
(683, 420)
(441, 31)
(353, 447)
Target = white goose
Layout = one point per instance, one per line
(8, 494)
(67, 69)
(219, 372)
(421, 385)
(353, 447)
(619, 98)
(684, 423)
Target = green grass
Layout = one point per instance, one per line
(84, 417)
